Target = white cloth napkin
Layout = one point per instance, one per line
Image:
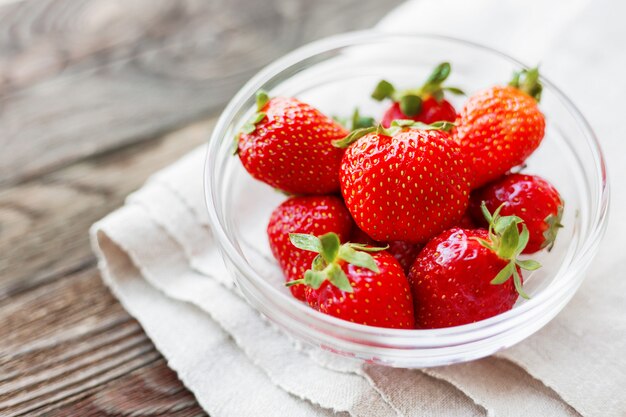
(158, 257)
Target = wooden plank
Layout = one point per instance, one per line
(44, 222)
(81, 77)
(61, 342)
(152, 390)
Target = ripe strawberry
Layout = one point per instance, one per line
(529, 197)
(287, 144)
(404, 252)
(498, 128)
(467, 221)
(462, 276)
(359, 236)
(425, 104)
(347, 282)
(310, 214)
(406, 183)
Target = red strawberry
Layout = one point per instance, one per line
(425, 104)
(287, 144)
(467, 222)
(529, 197)
(498, 128)
(404, 252)
(359, 236)
(311, 214)
(462, 276)
(403, 183)
(347, 282)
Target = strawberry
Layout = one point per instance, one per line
(467, 221)
(404, 252)
(347, 282)
(309, 214)
(529, 197)
(425, 104)
(287, 144)
(406, 183)
(359, 236)
(498, 128)
(463, 275)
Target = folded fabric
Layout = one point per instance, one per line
(159, 258)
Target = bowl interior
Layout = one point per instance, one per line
(337, 77)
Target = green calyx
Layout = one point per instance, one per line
(554, 224)
(411, 100)
(357, 121)
(396, 126)
(262, 98)
(528, 82)
(326, 265)
(506, 241)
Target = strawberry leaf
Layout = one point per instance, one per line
(367, 248)
(439, 74)
(261, 99)
(330, 246)
(503, 223)
(504, 274)
(384, 89)
(410, 105)
(528, 82)
(338, 278)
(236, 143)
(487, 244)
(352, 137)
(318, 263)
(361, 122)
(402, 123)
(314, 279)
(250, 125)
(358, 258)
(485, 210)
(523, 240)
(517, 281)
(455, 91)
(356, 121)
(508, 241)
(529, 264)
(306, 242)
(554, 224)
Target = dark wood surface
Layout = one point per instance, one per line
(95, 95)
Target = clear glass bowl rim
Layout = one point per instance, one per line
(418, 338)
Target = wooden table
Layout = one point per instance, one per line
(95, 95)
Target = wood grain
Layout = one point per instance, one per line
(44, 222)
(88, 88)
(68, 342)
(80, 77)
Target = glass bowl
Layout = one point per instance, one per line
(337, 74)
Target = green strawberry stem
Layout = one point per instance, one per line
(528, 82)
(396, 126)
(262, 98)
(554, 224)
(506, 241)
(411, 100)
(326, 265)
(356, 122)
